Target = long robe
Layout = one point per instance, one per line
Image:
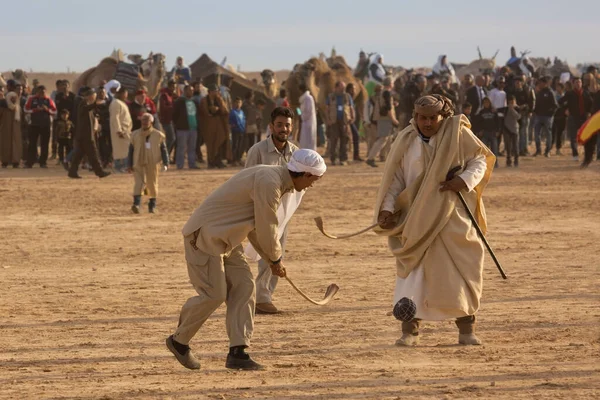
(215, 130)
(120, 121)
(439, 257)
(308, 133)
(10, 136)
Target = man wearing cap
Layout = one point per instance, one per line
(276, 149)
(85, 143)
(120, 129)
(243, 207)
(140, 105)
(146, 151)
(41, 108)
(439, 257)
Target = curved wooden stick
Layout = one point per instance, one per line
(329, 293)
(319, 222)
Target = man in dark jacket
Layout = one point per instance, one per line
(64, 100)
(85, 144)
(525, 98)
(185, 119)
(42, 109)
(166, 102)
(545, 106)
(579, 106)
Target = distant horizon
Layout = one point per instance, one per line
(62, 35)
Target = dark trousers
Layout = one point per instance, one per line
(63, 147)
(338, 137)
(355, 142)
(558, 128)
(511, 145)
(199, 143)
(250, 139)
(237, 143)
(54, 141)
(573, 125)
(105, 147)
(589, 148)
(85, 147)
(43, 134)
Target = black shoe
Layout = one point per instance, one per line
(135, 209)
(371, 163)
(185, 357)
(240, 363)
(66, 166)
(104, 174)
(74, 176)
(44, 166)
(16, 165)
(358, 159)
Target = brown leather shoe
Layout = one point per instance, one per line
(266, 308)
(186, 359)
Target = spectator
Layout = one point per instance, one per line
(384, 114)
(467, 109)
(282, 100)
(412, 91)
(64, 100)
(185, 119)
(560, 119)
(579, 107)
(166, 104)
(42, 109)
(498, 98)
(355, 137)
(370, 124)
(488, 126)
(226, 91)
(511, 132)
(476, 94)
(112, 87)
(593, 142)
(200, 91)
(85, 144)
(181, 73)
(146, 151)
(525, 98)
(308, 129)
(104, 143)
(237, 123)
(142, 104)
(545, 107)
(340, 114)
(64, 130)
(214, 117)
(120, 129)
(253, 117)
(10, 128)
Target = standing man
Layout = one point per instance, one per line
(142, 104)
(439, 257)
(253, 119)
(146, 151)
(545, 107)
(185, 118)
(42, 110)
(384, 114)
(274, 150)
(120, 129)
(64, 100)
(181, 73)
(579, 105)
(476, 94)
(525, 98)
(85, 141)
(166, 103)
(243, 207)
(214, 117)
(340, 114)
(308, 131)
(353, 129)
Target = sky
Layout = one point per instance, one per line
(61, 35)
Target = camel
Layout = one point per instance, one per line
(2, 81)
(320, 76)
(151, 74)
(269, 79)
(21, 77)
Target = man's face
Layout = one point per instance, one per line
(501, 85)
(446, 84)
(189, 92)
(90, 98)
(421, 84)
(305, 181)
(179, 61)
(281, 129)
(140, 98)
(467, 110)
(577, 84)
(146, 122)
(101, 94)
(351, 91)
(41, 92)
(19, 90)
(340, 88)
(429, 125)
(518, 85)
(238, 104)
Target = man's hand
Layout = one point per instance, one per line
(456, 184)
(278, 270)
(129, 170)
(385, 220)
(121, 134)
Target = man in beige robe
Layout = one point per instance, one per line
(439, 256)
(243, 207)
(120, 129)
(10, 130)
(276, 149)
(147, 150)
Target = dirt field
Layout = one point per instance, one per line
(90, 292)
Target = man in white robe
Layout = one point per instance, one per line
(439, 256)
(120, 129)
(308, 133)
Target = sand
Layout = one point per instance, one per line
(91, 291)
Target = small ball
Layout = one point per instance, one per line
(405, 309)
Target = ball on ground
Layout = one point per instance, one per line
(405, 309)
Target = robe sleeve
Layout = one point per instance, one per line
(397, 186)
(267, 196)
(474, 172)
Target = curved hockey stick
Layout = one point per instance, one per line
(329, 293)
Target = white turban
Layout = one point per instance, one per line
(113, 84)
(306, 160)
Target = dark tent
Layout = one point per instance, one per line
(211, 73)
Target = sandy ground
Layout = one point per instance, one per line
(90, 292)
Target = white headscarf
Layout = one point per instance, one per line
(306, 160)
(113, 84)
(16, 107)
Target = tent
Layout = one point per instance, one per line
(211, 73)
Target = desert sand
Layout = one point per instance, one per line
(90, 292)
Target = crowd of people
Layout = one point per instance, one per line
(509, 111)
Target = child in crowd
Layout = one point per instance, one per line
(467, 108)
(488, 126)
(237, 123)
(63, 129)
(511, 131)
